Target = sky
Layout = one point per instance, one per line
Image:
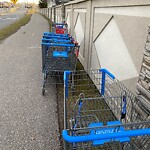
(25, 1)
(29, 1)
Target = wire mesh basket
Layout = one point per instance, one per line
(101, 113)
(57, 56)
(60, 28)
(59, 53)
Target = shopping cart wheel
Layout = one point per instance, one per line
(43, 91)
(45, 76)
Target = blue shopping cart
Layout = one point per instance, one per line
(59, 53)
(60, 28)
(101, 113)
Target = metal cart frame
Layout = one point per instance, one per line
(101, 113)
(58, 55)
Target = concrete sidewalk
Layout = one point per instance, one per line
(28, 121)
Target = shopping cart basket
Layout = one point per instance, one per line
(60, 28)
(58, 57)
(101, 113)
(50, 38)
(58, 53)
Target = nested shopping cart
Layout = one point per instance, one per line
(58, 56)
(56, 40)
(60, 28)
(56, 35)
(101, 113)
(51, 41)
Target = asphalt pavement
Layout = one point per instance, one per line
(28, 120)
(10, 17)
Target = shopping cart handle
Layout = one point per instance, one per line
(57, 37)
(58, 44)
(87, 138)
(54, 34)
(66, 73)
(107, 72)
(59, 23)
(56, 40)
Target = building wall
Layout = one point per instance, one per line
(111, 34)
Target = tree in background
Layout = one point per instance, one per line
(43, 3)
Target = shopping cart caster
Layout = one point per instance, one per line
(43, 91)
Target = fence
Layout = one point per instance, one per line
(106, 37)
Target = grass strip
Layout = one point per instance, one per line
(14, 27)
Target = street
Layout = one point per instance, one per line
(7, 18)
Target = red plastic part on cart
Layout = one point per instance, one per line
(60, 31)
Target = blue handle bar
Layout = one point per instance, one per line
(67, 40)
(66, 73)
(56, 40)
(58, 37)
(59, 23)
(86, 138)
(54, 34)
(58, 44)
(103, 70)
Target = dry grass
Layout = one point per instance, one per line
(9, 30)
